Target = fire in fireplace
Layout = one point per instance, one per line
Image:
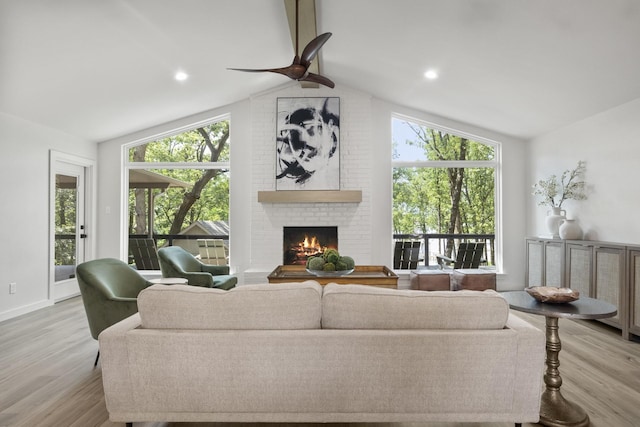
(300, 243)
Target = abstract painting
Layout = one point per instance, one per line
(308, 144)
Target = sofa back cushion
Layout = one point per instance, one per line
(266, 306)
(368, 307)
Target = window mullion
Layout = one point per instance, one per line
(446, 164)
(177, 165)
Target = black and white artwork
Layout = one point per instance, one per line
(308, 144)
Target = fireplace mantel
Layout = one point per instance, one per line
(310, 196)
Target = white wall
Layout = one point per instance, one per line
(24, 252)
(609, 142)
(365, 156)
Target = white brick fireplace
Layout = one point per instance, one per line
(354, 220)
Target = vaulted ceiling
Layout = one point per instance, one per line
(100, 69)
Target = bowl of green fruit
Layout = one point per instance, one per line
(330, 264)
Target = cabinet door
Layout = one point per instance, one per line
(534, 262)
(609, 282)
(579, 272)
(634, 288)
(553, 264)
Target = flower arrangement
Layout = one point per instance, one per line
(570, 186)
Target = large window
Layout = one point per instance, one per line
(444, 189)
(179, 189)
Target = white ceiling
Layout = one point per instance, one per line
(100, 69)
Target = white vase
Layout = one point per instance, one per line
(570, 230)
(554, 217)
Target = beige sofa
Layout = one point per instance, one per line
(303, 353)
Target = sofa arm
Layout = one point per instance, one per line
(215, 270)
(114, 358)
(198, 279)
(530, 365)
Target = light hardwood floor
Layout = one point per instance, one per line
(47, 376)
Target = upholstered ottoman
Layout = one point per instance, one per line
(473, 279)
(430, 280)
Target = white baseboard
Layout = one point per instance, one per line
(19, 311)
(65, 289)
(255, 276)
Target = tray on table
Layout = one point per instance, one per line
(373, 275)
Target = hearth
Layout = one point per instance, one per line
(300, 243)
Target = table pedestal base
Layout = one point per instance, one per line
(556, 411)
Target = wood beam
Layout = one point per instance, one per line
(310, 196)
(307, 31)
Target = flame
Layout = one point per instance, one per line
(310, 243)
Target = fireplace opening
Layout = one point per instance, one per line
(301, 243)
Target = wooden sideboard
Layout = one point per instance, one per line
(603, 270)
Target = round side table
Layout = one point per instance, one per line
(555, 410)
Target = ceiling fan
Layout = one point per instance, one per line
(299, 68)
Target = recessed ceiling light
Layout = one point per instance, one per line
(181, 76)
(431, 74)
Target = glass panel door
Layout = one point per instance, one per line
(69, 229)
(66, 227)
(70, 206)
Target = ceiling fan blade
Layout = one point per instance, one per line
(311, 50)
(316, 78)
(248, 70)
(293, 71)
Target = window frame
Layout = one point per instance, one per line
(496, 164)
(128, 165)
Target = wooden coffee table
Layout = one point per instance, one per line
(555, 410)
(373, 275)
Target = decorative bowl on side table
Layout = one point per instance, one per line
(552, 295)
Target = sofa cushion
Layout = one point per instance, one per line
(265, 306)
(368, 307)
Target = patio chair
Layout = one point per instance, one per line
(406, 255)
(109, 289)
(143, 251)
(469, 255)
(212, 251)
(177, 262)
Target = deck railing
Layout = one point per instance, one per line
(169, 238)
(432, 243)
(443, 243)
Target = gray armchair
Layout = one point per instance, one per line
(177, 262)
(109, 289)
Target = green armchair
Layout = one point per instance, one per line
(109, 289)
(177, 262)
